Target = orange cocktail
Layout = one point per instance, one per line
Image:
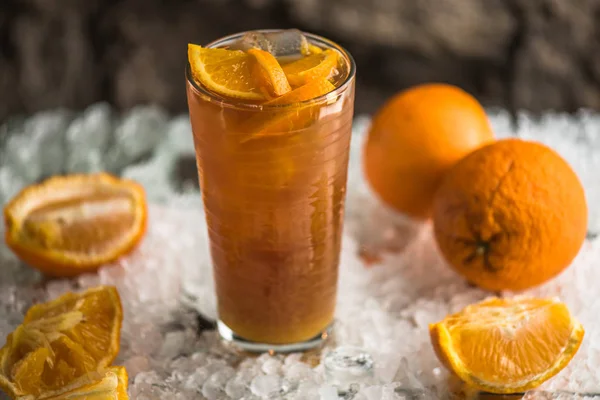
(271, 115)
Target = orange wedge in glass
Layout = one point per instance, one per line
(507, 345)
(225, 72)
(269, 73)
(315, 66)
(73, 224)
(311, 90)
(311, 49)
(60, 342)
(273, 122)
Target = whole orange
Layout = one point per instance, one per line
(415, 138)
(510, 215)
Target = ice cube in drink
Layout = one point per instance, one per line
(287, 44)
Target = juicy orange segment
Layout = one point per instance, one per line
(311, 49)
(26, 373)
(61, 341)
(73, 224)
(507, 345)
(226, 72)
(277, 122)
(311, 90)
(101, 312)
(269, 73)
(109, 385)
(315, 66)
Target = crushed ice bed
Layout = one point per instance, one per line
(381, 347)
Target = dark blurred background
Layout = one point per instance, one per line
(519, 54)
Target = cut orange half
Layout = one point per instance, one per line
(286, 120)
(507, 345)
(225, 72)
(73, 224)
(269, 73)
(61, 341)
(315, 66)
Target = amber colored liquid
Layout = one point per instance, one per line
(274, 207)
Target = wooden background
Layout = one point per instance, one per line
(532, 54)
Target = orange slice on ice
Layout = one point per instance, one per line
(110, 385)
(62, 341)
(73, 224)
(507, 345)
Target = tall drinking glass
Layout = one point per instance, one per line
(274, 205)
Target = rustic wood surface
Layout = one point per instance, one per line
(531, 54)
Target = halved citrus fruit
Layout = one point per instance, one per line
(507, 345)
(225, 72)
(73, 224)
(269, 73)
(315, 66)
(283, 121)
(60, 341)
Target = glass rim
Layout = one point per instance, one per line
(240, 104)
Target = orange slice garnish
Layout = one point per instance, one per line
(311, 90)
(270, 73)
(225, 72)
(312, 67)
(280, 122)
(311, 49)
(62, 341)
(73, 224)
(507, 345)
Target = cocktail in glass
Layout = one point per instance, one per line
(273, 180)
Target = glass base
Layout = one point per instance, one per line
(229, 336)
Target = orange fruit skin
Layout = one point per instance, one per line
(58, 268)
(415, 138)
(510, 215)
(52, 264)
